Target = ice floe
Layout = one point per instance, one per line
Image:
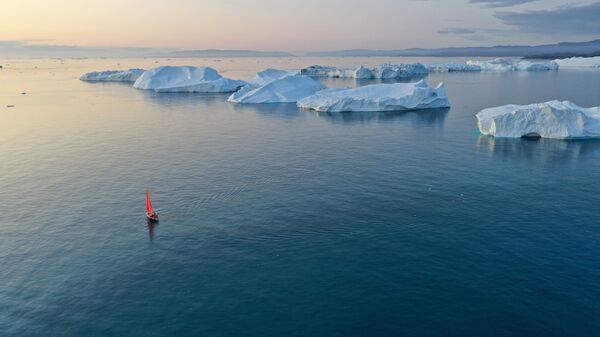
(554, 119)
(288, 89)
(587, 62)
(501, 64)
(130, 75)
(378, 97)
(186, 79)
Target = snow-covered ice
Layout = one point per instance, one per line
(130, 75)
(269, 75)
(554, 119)
(394, 71)
(288, 89)
(452, 67)
(588, 62)
(379, 97)
(501, 64)
(186, 79)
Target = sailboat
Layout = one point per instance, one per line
(150, 213)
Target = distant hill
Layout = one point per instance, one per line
(226, 53)
(562, 55)
(563, 48)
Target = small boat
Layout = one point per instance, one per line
(150, 213)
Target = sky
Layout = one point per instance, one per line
(294, 25)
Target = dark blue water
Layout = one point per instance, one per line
(282, 222)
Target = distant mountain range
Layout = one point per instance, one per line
(227, 53)
(564, 49)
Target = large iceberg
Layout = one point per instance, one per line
(378, 97)
(268, 75)
(288, 89)
(554, 119)
(186, 79)
(130, 75)
(593, 62)
(384, 72)
(501, 64)
(453, 67)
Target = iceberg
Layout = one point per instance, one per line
(588, 62)
(394, 71)
(554, 119)
(130, 75)
(383, 72)
(501, 64)
(319, 71)
(269, 75)
(453, 67)
(288, 89)
(378, 97)
(186, 79)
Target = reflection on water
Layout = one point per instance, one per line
(273, 110)
(151, 225)
(430, 117)
(540, 150)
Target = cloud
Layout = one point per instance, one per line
(568, 19)
(476, 37)
(500, 3)
(458, 31)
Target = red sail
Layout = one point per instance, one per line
(149, 207)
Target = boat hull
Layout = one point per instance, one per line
(152, 217)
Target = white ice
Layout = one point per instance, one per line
(554, 119)
(288, 89)
(453, 67)
(379, 97)
(588, 62)
(501, 64)
(186, 79)
(269, 75)
(385, 71)
(130, 75)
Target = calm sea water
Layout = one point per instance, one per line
(282, 222)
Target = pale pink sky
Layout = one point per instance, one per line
(293, 25)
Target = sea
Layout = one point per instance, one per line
(277, 221)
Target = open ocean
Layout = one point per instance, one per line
(277, 221)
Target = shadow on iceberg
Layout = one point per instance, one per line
(419, 118)
(539, 150)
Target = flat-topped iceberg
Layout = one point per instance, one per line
(378, 97)
(554, 119)
(501, 64)
(130, 75)
(587, 62)
(269, 75)
(288, 89)
(383, 72)
(453, 67)
(186, 79)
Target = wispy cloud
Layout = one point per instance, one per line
(500, 3)
(568, 19)
(457, 31)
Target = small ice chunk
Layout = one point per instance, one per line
(288, 89)
(554, 119)
(186, 79)
(130, 75)
(379, 97)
